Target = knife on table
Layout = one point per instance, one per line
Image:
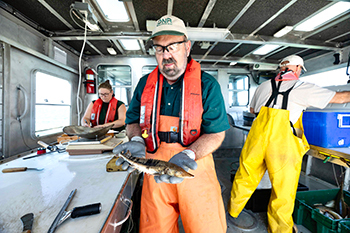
(20, 169)
(27, 221)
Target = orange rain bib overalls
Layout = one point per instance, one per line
(271, 145)
(198, 200)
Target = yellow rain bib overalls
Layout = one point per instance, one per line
(272, 145)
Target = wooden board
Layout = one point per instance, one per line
(93, 148)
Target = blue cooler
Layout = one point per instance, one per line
(327, 129)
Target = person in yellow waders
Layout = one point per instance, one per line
(276, 142)
(178, 115)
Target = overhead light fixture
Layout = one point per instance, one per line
(283, 31)
(113, 10)
(322, 17)
(199, 34)
(111, 51)
(204, 44)
(150, 25)
(265, 49)
(207, 34)
(233, 63)
(130, 44)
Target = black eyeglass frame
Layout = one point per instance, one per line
(166, 47)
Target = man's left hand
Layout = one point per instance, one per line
(182, 160)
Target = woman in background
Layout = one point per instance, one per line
(106, 110)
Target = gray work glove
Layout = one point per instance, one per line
(137, 148)
(183, 160)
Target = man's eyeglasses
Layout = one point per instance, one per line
(171, 48)
(104, 94)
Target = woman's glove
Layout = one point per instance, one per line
(183, 160)
(137, 148)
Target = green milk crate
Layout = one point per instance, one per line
(304, 213)
(344, 226)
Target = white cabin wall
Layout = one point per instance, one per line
(24, 51)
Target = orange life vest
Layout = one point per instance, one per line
(191, 107)
(96, 110)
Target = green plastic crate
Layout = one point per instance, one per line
(304, 213)
(344, 226)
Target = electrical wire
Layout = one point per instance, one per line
(71, 13)
(20, 126)
(79, 83)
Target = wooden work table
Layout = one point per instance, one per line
(331, 155)
(44, 193)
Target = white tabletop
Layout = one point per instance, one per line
(43, 193)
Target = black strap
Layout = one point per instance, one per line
(285, 94)
(276, 92)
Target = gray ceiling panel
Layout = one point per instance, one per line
(284, 53)
(224, 12)
(256, 15)
(35, 11)
(196, 49)
(77, 45)
(222, 48)
(301, 9)
(252, 24)
(193, 13)
(243, 50)
(102, 46)
(149, 10)
(332, 32)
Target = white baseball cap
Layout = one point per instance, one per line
(292, 60)
(169, 25)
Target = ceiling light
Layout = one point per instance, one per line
(150, 25)
(283, 31)
(113, 10)
(204, 44)
(199, 34)
(207, 34)
(111, 51)
(262, 50)
(233, 63)
(130, 44)
(323, 16)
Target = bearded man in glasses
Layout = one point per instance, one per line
(177, 114)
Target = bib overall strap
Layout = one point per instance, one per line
(285, 94)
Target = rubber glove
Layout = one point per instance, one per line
(137, 148)
(182, 159)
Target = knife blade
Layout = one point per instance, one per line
(27, 221)
(20, 169)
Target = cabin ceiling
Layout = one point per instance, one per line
(249, 23)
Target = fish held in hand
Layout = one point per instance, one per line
(155, 166)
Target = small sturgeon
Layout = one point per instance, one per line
(155, 166)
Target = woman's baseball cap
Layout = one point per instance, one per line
(169, 25)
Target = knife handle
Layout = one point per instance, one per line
(27, 231)
(86, 210)
(15, 169)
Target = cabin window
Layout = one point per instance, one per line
(238, 90)
(328, 78)
(120, 79)
(147, 70)
(52, 104)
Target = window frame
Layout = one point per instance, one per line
(238, 90)
(119, 86)
(34, 104)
